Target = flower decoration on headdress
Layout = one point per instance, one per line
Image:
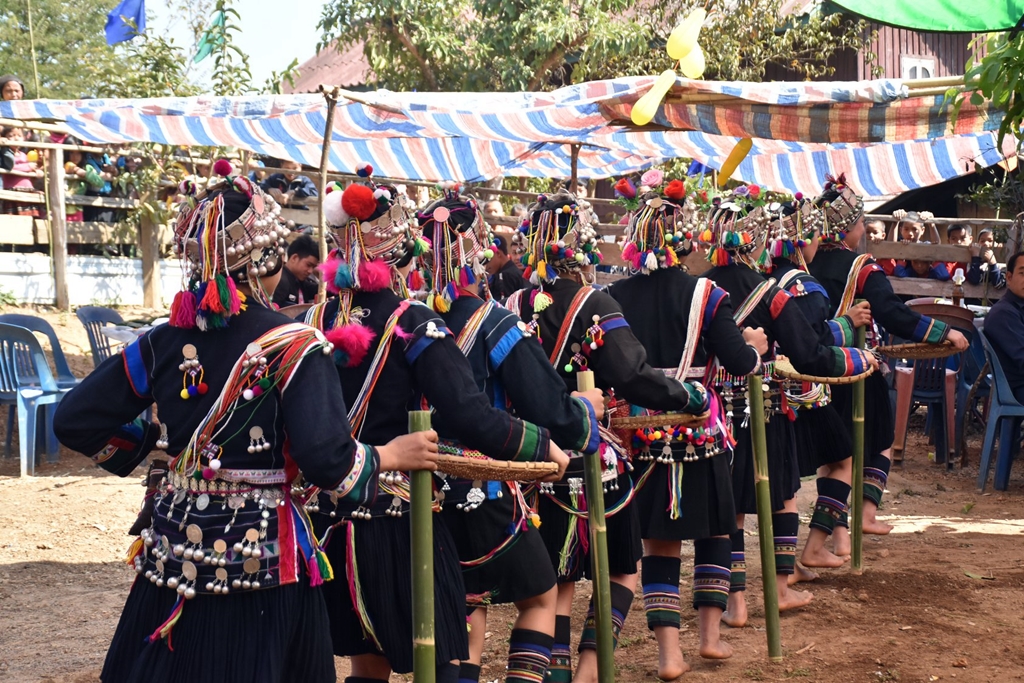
(217, 253)
(840, 207)
(557, 237)
(735, 224)
(661, 229)
(461, 242)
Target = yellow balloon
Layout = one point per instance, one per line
(738, 153)
(32, 156)
(684, 37)
(647, 106)
(692, 65)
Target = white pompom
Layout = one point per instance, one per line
(651, 262)
(333, 211)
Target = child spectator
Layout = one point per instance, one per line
(915, 268)
(79, 179)
(101, 170)
(22, 172)
(983, 268)
(875, 231)
(957, 236)
(289, 185)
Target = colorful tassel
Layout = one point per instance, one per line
(355, 590)
(134, 550)
(183, 310)
(351, 344)
(374, 276)
(541, 300)
(164, 629)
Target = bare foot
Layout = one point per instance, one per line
(819, 557)
(671, 665)
(735, 614)
(841, 541)
(801, 575)
(873, 526)
(717, 650)
(794, 599)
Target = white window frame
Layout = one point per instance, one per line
(917, 63)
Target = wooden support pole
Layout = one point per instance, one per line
(149, 246)
(856, 516)
(325, 154)
(58, 228)
(762, 491)
(574, 163)
(598, 553)
(421, 518)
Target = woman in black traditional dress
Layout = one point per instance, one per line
(736, 234)
(228, 565)
(582, 328)
(847, 276)
(503, 557)
(686, 326)
(823, 446)
(393, 356)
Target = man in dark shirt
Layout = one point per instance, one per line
(1004, 326)
(505, 278)
(297, 284)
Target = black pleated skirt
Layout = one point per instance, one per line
(879, 429)
(518, 572)
(821, 439)
(275, 635)
(383, 566)
(706, 503)
(783, 468)
(624, 545)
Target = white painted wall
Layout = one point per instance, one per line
(92, 280)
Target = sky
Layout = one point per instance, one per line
(273, 32)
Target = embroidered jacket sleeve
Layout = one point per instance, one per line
(812, 300)
(621, 362)
(724, 339)
(319, 436)
(799, 341)
(534, 389)
(444, 376)
(100, 416)
(891, 313)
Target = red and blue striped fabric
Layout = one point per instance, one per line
(885, 142)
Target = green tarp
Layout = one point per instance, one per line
(959, 16)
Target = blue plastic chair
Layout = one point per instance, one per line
(974, 363)
(1005, 414)
(26, 380)
(66, 379)
(95, 318)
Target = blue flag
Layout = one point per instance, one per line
(117, 29)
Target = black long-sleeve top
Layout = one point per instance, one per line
(657, 308)
(510, 367)
(831, 267)
(418, 367)
(620, 363)
(786, 325)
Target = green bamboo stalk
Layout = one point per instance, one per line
(598, 554)
(421, 518)
(764, 515)
(857, 494)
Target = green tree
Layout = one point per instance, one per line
(68, 37)
(542, 44)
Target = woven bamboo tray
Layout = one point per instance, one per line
(690, 420)
(486, 469)
(918, 350)
(784, 368)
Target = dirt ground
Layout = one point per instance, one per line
(941, 598)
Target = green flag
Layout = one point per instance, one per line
(212, 39)
(955, 16)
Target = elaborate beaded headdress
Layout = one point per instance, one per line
(840, 207)
(792, 225)
(217, 253)
(735, 225)
(461, 243)
(373, 229)
(662, 223)
(557, 237)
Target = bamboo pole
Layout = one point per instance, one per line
(856, 516)
(421, 517)
(58, 228)
(759, 441)
(598, 553)
(32, 45)
(325, 155)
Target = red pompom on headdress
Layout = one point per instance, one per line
(358, 201)
(223, 167)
